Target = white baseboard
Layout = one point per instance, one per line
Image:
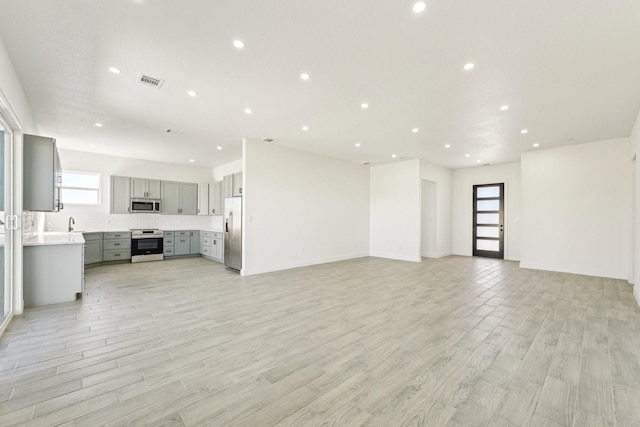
(436, 254)
(636, 293)
(389, 255)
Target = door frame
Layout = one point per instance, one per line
(13, 206)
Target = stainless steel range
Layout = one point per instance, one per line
(146, 245)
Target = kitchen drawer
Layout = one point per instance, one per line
(206, 242)
(168, 251)
(116, 244)
(183, 233)
(115, 255)
(206, 251)
(92, 236)
(216, 235)
(168, 241)
(169, 233)
(117, 235)
(206, 233)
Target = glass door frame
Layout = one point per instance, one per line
(12, 205)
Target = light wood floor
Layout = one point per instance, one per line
(451, 342)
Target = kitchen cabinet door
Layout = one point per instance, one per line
(238, 183)
(227, 186)
(93, 252)
(216, 201)
(170, 197)
(42, 174)
(182, 245)
(145, 188)
(217, 250)
(195, 242)
(203, 199)
(189, 198)
(120, 194)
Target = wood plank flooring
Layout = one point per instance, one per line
(369, 342)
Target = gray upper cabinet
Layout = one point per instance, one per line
(216, 201)
(179, 198)
(145, 188)
(232, 185)
(189, 198)
(238, 184)
(42, 174)
(203, 199)
(120, 194)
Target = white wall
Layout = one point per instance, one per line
(227, 169)
(634, 261)
(443, 178)
(395, 208)
(462, 216)
(575, 204)
(301, 209)
(98, 217)
(13, 94)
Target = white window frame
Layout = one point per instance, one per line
(97, 190)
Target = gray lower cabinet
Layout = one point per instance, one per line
(116, 246)
(92, 248)
(168, 244)
(181, 243)
(211, 245)
(52, 274)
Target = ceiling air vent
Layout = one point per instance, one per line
(150, 81)
(268, 140)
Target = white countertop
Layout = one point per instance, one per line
(53, 238)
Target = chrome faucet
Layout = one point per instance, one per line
(71, 221)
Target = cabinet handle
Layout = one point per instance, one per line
(116, 244)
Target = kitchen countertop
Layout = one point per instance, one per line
(53, 238)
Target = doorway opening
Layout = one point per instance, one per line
(488, 220)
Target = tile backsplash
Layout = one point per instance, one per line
(98, 221)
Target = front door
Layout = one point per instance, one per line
(488, 220)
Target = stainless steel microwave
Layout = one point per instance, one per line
(145, 206)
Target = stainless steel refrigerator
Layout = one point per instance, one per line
(233, 233)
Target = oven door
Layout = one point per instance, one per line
(147, 246)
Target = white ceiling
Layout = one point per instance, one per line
(569, 71)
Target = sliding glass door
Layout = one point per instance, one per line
(6, 217)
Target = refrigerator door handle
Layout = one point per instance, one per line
(230, 220)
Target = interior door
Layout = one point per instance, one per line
(488, 220)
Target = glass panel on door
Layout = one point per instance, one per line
(488, 220)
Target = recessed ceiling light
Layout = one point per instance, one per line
(114, 70)
(305, 76)
(393, 156)
(239, 44)
(357, 144)
(219, 147)
(191, 93)
(92, 146)
(98, 125)
(478, 161)
(305, 128)
(419, 7)
(364, 105)
(504, 108)
(467, 155)
(191, 160)
(247, 110)
(523, 131)
(469, 66)
(415, 130)
(447, 145)
(536, 145)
